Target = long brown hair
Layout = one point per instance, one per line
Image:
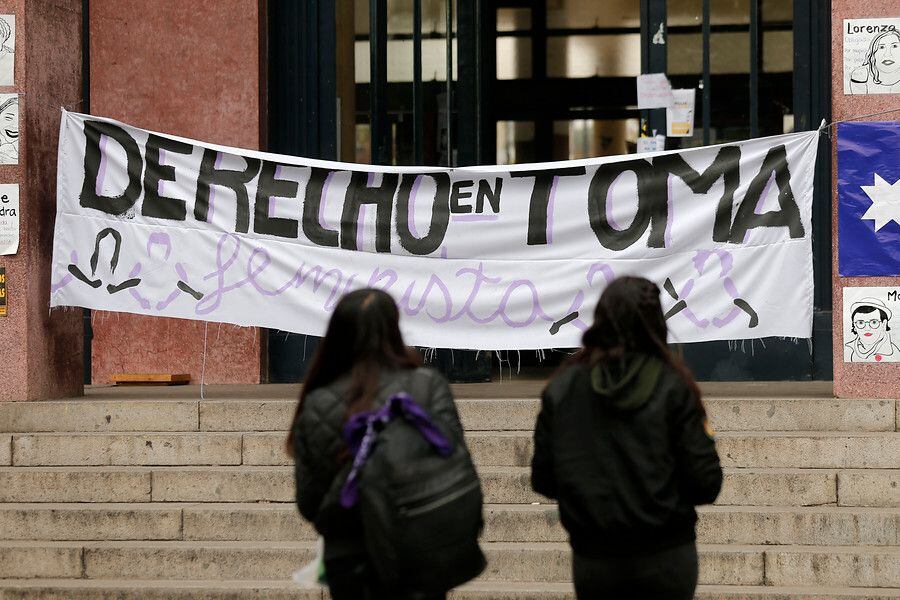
(629, 319)
(362, 340)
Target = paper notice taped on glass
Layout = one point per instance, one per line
(680, 118)
(656, 143)
(654, 91)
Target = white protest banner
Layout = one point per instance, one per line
(490, 257)
(872, 56)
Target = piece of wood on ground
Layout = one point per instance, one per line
(150, 378)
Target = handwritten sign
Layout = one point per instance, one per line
(654, 91)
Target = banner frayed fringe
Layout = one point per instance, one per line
(741, 345)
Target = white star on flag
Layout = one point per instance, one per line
(885, 202)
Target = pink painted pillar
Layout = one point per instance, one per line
(190, 69)
(42, 355)
(857, 380)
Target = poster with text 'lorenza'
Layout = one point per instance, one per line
(871, 320)
(868, 198)
(872, 56)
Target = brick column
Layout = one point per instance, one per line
(42, 355)
(191, 69)
(857, 380)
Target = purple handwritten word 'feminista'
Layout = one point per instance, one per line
(231, 274)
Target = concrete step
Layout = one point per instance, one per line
(835, 450)
(498, 414)
(547, 562)
(5, 449)
(85, 449)
(115, 589)
(813, 526)
(501, 485)
(510, 414)
(74, 484)
(544, 562)
(869, 487)
(816, 526)
(493, 414)
(834, 566)
(201, 484)
(100, 415)
(214, 448)
(864, 450)
(91, 521)
(132, 589)
(859, 450)
(739, 592)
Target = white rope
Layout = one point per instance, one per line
(203, 366)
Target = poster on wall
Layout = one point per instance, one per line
(872, 56)
(871, 324)
(483, 257)
(9, 129)
(9, 218)
(7, 49)
(868, 182)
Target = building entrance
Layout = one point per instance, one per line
(438, 82)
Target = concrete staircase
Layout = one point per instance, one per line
(153, 493)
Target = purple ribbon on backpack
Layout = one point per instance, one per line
(361, 430)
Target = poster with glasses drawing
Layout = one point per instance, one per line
(872, 56)
(871, 322)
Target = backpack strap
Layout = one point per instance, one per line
(361, 430)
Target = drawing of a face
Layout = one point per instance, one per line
(5, 31)
(870, 325)
(886, 55)
(9, 123)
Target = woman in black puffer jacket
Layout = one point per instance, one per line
(360, 362)
(623, 444)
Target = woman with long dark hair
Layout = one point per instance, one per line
(623, 444)
(360, 362)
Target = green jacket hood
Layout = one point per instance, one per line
(627, 384)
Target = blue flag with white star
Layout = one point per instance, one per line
(868, 156)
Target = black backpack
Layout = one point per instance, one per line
(421, 511)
